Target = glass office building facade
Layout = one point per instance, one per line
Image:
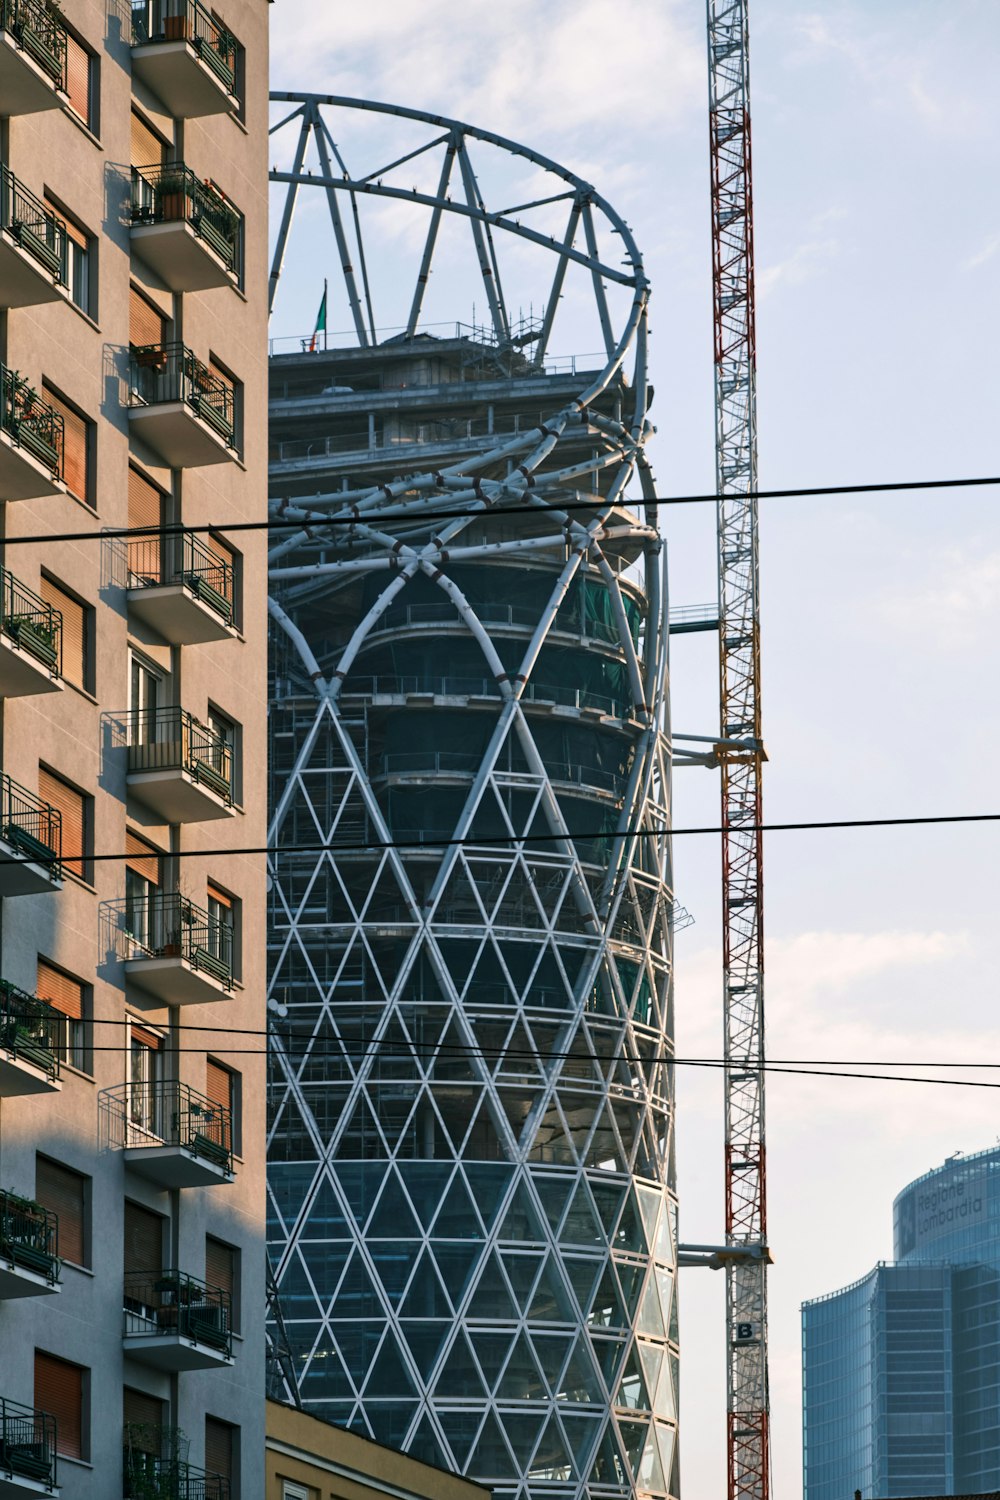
(901, 1370)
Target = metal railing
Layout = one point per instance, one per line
(29, 1236)
(173, 194)
(173, 1303)
(492, 613)
(166, 1114)
(29, 421)
(27, 1444)
(485, 687)
(147, 1476)
(37, 29)
(31, 1029)
(171, 739)
(165, 924)
(155, 561)
(171, 372)
(30, 826)
(187, 21)
(34, 227)
(457, 763)
(32, 623)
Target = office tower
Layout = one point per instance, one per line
(132, 341)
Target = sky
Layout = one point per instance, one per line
(877, 229)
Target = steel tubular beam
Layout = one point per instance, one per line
(739, 662)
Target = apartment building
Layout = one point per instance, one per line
(132, 709)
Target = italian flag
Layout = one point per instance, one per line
(320, 324)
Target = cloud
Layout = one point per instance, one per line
(963, 601)
(986, 253)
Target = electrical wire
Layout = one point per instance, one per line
(115, 533)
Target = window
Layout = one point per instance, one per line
(222, 1268)
(67, 1194)
(225, 577)
(77, 821)
(148, 148)
(291, 1491)
(221, 1450)
(81, 80)
(144, 1418)
(147, 692)
(146, 324)
(226, 730)
(78, 445)
(224, 1087)
(82, 284)
(61, 1388)
(144, 1074)
(235, 389)
(145, 508)
(142, 878)
(221, 927)
(72, 999)
(143, 1241)
(77, 633)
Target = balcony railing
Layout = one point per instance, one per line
(173, 194)
(160, 373)
(147, 1476)
(34, 227)
(167, 1114)
(31, 1029)
(155, 561)
(29, 421)
(173, 1303)
(171, 739)
(30, 825)
(187, 21)
(166, 924)
(38, 29)
(486, 687)
(28, 620)
(27, 1444)
(29, 1235)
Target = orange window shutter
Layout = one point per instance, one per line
(219, 1265)
(148, 150)
(145, 1038)
(75, 446)
(143, 1241)
(78, 78)
(60, 990)
(71, 804)
(62, 1191)
(219, 1084)
(142, 857)
(74, 630)
(145, 508)
(145, 322)
(219, 1447)
(143, 1414)
(223, 579)
(59, 1391)
(214, 894)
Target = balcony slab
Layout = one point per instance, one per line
(181, 438)
(19, 1077)
(173, 980)
(22, 476)
(24, 281)
(175, 1167)
(22, 674)
(176, 74)
(17, 1281)
(183, 259)
(22, 876)
(174, 611)
(25, 88)
(177, 796)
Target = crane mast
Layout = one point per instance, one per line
(741, 752)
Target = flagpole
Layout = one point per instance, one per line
(326, 314)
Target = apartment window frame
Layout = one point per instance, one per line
(138, 298)
(77, 1051)
(140, 884)
(87, 682)
(227, 553)
(233, 1100)
(221, 371)
(83, 253)
(145, 1071)
(230, 731)
(44, 1401)
(91, 121)
(59, 1169)
(69, 409)
(219, 902)
(84, 860)
(233, 1463)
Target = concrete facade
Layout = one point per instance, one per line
(82, 925)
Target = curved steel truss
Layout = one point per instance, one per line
(471, 1178)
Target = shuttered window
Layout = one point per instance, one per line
(148, 149)
(59, 1390)
(143, 1241)
(145, 508)
(73, 806)
(76, 446)
(146, 324)
(141, 858)
(143, 1415)
(65, 1193)
(222, 1270)
(70, 997)
(219, 1447)
(75, 632)
(222, 1086)
(223, 577)
(80, 71)
(235, 390)
(80, 249)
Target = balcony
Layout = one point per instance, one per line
(28, 1464)
(183, 55)
(30, 842)
(177, 406)
(170, 1134)
(31, 441)
(34, 247)
(29, 1242)
(161, 1474)
(181, 588)
(175, 1322)
(173, 950)
(178, 767)
(184, 229)
(32, 57)
(32, 1038)
(30, 641)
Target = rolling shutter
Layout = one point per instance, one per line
(143, 1241)
(145, 1038)
(75, 445)
(221, 1270)
(148, 150)
(145, 508)
(223, 578)
(62, 1191)
(146, 324)
(78, 78)
(59, 1390)
(74, 631)
(219, 1447)
(59, 990)
(219, 1084)
(72, 805)
(144, 1416)
(142, 857)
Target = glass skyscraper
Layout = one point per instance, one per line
(901, 1371)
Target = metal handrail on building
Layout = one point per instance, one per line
(165, 924)
(171, 739)
(37, 29)
(159, 373)
(187, 21)
(462, 763)
(29, 621)
(33, 226)
(175, 1303)
(32, 827)
(28, 1444)
(173, 193)
(154, 561)
(31, 1029)
(29, 421)
(166, 1114)
(147, 1476)
(29, 1235)
(486, 687)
